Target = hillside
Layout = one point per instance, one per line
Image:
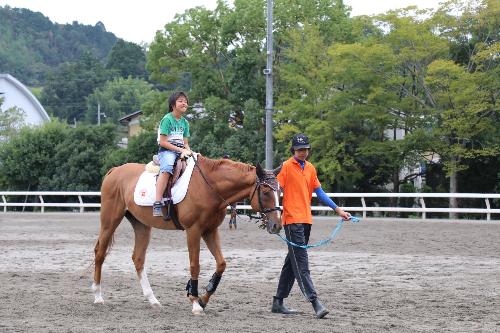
(30, 44)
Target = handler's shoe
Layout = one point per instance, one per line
(279, 307)
(320, 310)
(157, 208)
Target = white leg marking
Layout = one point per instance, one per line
(96, 288)
(197, 309)
(146, 289)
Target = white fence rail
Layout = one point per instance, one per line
(419, 198)
(81, 205)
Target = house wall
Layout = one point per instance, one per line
(134, 127)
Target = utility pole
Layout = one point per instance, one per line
(268, 71)
(99, 114)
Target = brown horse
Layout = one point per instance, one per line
(213, 184)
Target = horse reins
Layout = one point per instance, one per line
(258, 182)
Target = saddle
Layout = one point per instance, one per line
(179, 168)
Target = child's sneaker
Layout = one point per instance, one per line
(157, 208)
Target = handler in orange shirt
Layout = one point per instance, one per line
(298, 180)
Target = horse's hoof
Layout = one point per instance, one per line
(197, 309)
(156, 305)
(99, 300)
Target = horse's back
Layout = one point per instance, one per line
(121, 178)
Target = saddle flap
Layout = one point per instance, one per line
(179, 168)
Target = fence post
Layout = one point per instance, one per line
(363, 203)
(42, 202)
(488, 215)
(81, 204)
(422, 202)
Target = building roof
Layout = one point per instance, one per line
(27, 94)
(125, 120)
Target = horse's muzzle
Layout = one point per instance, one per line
(273, 228)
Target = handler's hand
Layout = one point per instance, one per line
(185, 154)
(345, 215)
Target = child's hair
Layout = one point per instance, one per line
(174, 97)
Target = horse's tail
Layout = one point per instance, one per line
(108, 251)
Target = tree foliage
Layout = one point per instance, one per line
(117, 98)
(377, 95)
(355, 97)
(11, 121)
(64, 94)
(127, 59)
(31, 45)
(56, 157)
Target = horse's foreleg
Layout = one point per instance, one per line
(213, 243)
(193, 241)
(142, 237)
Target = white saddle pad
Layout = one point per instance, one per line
(145, 189)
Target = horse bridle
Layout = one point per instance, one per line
(262, 210)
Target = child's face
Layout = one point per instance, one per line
(181, 105)
(301, 154)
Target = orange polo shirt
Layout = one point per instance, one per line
(298, 186)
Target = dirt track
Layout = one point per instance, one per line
(377, 276)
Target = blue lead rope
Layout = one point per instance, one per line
(353, 219)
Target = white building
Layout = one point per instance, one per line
(15, 94)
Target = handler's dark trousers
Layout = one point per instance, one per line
(296, 265)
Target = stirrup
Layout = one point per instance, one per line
(157, 209)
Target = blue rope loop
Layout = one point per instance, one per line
(353, 219)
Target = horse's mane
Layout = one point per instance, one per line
(216, 164)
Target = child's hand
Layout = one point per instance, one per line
(185, 154)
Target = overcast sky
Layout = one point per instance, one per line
(138, 21)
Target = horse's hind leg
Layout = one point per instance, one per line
(142, 237)
(109, 223)
(213, 243)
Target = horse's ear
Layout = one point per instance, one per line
(259, 170)
(277, 170)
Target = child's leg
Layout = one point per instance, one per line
(161, 184)
(167, 160)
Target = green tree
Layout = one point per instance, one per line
(117, 98)
(11, 121)
(141, 149)
(128, 59)
(192, 53)
(32, 151)
(31, 45)
(466, 120)
(56, 157)
(64, 94)
(80, 158)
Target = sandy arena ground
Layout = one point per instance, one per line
(377, 276)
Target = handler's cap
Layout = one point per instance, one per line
(300, 141)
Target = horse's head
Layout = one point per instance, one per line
(265, 199)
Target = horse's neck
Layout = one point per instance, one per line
(232, 180)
